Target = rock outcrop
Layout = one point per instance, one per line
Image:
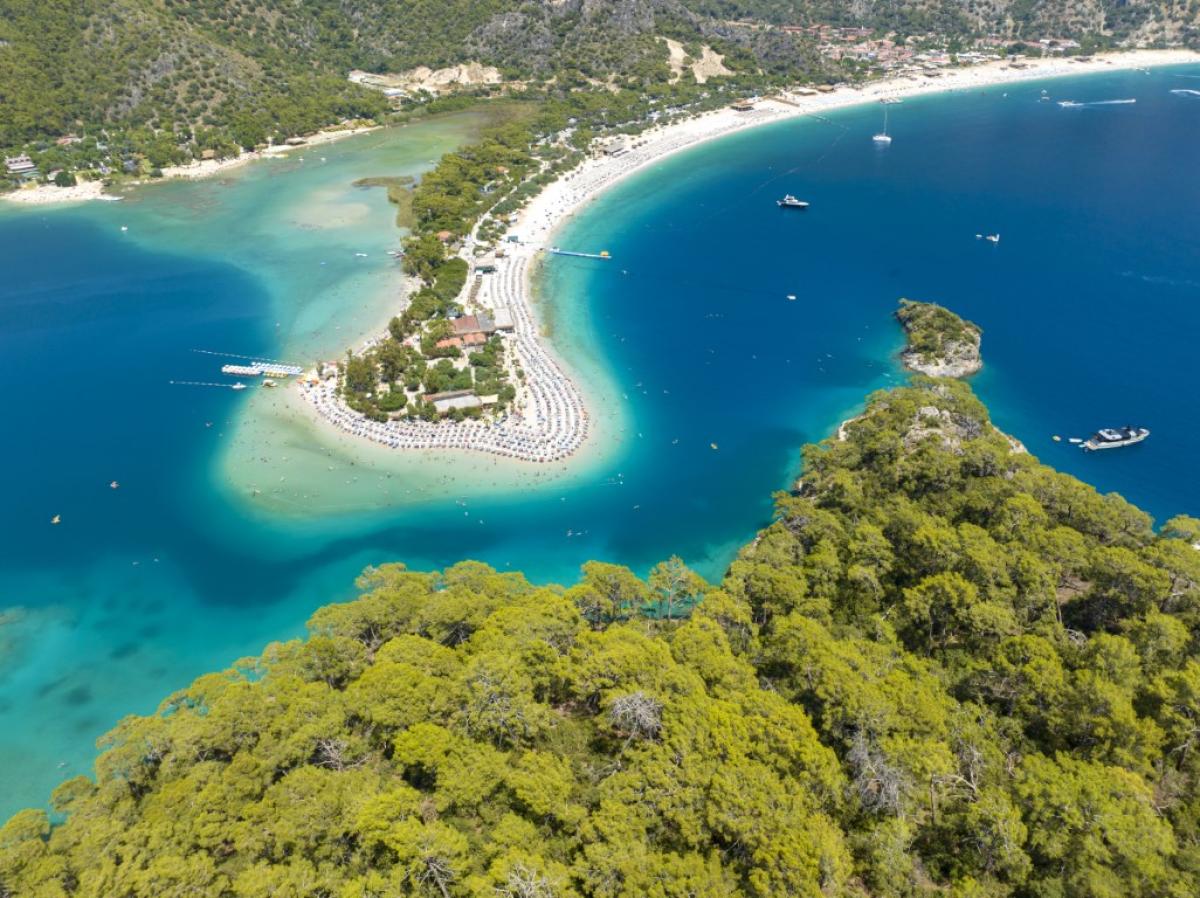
(940, 344)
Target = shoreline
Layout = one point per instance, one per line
(85, 191)
(554, 422)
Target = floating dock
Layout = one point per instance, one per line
(264, 369)
(271, 369)
(603, 254)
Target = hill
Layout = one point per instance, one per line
(237, 72)
(255, 68)
(943, 670)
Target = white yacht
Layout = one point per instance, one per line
(1114, 438)
(883, 138)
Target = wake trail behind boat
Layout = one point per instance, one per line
(1073, 104)
(1186, 92)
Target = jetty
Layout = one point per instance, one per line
(200, 383)
(271, 369)
(603, 254)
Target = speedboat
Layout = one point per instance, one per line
(790, 202)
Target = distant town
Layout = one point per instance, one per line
(894, 54)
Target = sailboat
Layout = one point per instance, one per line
(883, 138)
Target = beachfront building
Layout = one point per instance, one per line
(486, 264)
(617, 145)
(21, 167)
(480, 324)
(466, 342)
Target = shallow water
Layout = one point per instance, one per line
(1089, 306)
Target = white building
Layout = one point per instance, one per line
(21, 166)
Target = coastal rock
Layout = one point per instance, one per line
(952, 429)
(940, 344)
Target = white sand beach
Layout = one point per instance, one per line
(51, 194)
(550, 421)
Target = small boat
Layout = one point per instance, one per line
(1115, 438)
(790, 202)
(114, 485)
(791, 297)
(239, 386)
(714, 445)
(992, 238)
(57, 519)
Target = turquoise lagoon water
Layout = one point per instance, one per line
(1090, 305)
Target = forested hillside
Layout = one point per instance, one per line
(945, 669)
(256, 68)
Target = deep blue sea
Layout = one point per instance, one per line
(1090, 305)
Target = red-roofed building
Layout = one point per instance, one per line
(473, 324)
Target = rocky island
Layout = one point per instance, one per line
(940, 344)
